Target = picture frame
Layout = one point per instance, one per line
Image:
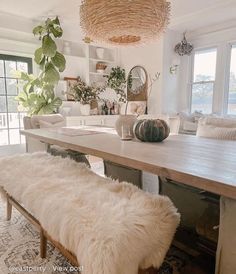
(70, 82)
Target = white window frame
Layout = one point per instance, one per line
(14, 58)
(191, 82)
(227, 78)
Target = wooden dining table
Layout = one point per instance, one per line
(206, 164)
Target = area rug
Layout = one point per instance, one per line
(19, 251)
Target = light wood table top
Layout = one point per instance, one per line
(203, 163)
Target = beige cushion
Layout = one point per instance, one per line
(214, 132)
(217, 128)
(44, 124)
(189, 126)
(51, 118)
(218, 121)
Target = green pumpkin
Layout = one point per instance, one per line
(151, 130)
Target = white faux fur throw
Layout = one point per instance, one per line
(113, 228)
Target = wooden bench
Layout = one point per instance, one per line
(44, 235)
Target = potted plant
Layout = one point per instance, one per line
(37, 96)
(117, 81)
(83, 93)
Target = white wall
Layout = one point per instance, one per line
(150, 57)
(170, 86)
(157, 57)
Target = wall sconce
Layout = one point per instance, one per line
(174, 66)
(173, 69)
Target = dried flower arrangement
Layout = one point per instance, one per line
(84, 93)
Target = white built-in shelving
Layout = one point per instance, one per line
(82, 60)
(109, 59)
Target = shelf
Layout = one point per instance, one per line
(102, 60)
(74, 56)
(98, 73)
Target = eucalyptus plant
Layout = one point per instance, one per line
(37, 96)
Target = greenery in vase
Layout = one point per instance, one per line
(84, 93)
(117, 81)
(37, 96)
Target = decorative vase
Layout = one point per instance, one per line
(85, 109)
(100, 53)
(124, 126)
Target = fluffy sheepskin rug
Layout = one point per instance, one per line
(113, 228)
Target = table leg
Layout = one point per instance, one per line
(9, 210)
(226, 250)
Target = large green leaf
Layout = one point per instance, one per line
(50, 106)
(27, 87)
(42, 63)
(48, 88)
(36, 82)
(38, 55)
(49, 46)
(56, 21)
(48, 23)
(51, 75)
(38, 30)
(24, 76)
(59, 61)
(22, 97)
(56, 31)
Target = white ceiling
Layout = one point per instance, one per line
(197, 14)
(185, 14)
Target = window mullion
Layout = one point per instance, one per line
(5, 80)
(227, 79)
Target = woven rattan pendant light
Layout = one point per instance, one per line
(124, 22)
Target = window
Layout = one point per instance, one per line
(202, 86)
(11, 120)
(232, 83)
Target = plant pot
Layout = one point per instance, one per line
(100, 53)
(124, 126)
(85, 109)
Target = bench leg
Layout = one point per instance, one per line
(43, 245)
(9, 210)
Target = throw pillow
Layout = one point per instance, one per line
(44, 124)
(214, 132)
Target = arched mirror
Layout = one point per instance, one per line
(137, 84)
